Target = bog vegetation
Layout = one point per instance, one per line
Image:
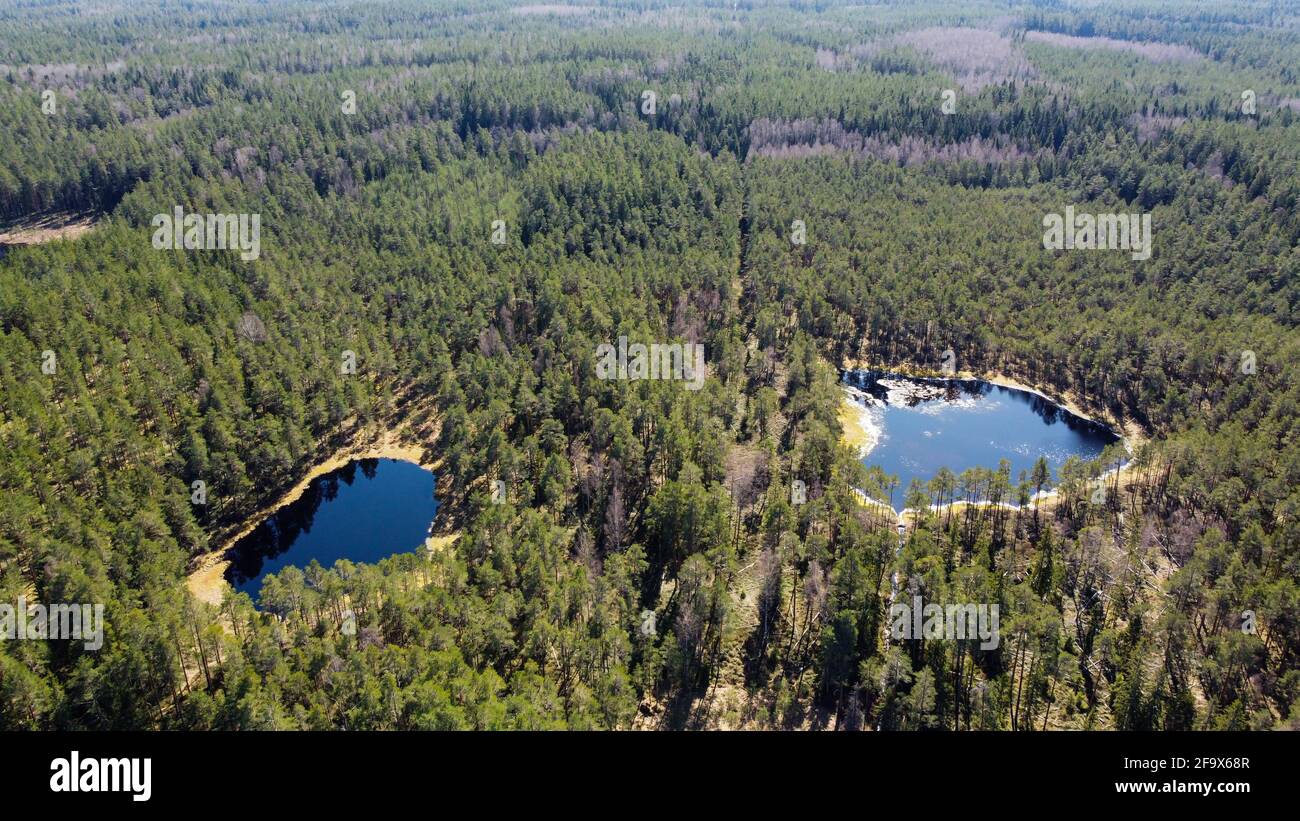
(1170, 604)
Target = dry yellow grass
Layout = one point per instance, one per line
(47, 229)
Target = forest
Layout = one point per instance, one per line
(472, 196)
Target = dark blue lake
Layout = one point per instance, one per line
(363, 512)
(922, 425)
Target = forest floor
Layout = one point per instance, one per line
(46, 228)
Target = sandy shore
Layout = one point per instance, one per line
(860, 430)
(208, 581)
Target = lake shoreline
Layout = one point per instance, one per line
(207, 581)
(1127, 429)
(859, 431)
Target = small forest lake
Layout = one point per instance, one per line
(914, 427)
(365, 511)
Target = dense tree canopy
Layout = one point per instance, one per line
(472, 196)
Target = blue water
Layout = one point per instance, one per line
(970, 424)
(365, 511)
